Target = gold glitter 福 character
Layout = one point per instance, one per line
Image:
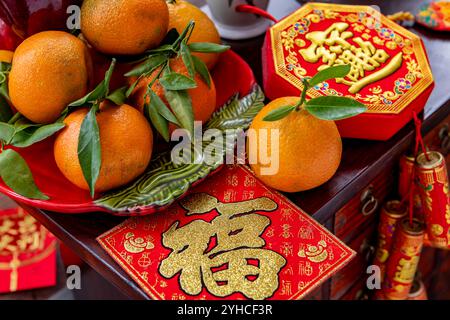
(226, 255)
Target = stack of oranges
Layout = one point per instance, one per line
(52, 69)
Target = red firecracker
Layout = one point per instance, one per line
(404, 259)
(433, 184)
(391, 213)
(418, 291)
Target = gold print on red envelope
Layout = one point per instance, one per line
(389, 67)
(230, 238)
(24, 243)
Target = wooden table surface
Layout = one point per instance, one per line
(362, 160)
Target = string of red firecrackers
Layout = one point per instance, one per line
(428, 174)
(418, 142)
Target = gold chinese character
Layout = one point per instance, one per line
(19, 236)
(406, 270)
(246, 195)
(286, 233)
(305, 233)
(287, 249)
(249, 181)
(5, 243)
(225, 255)
(305, 268)
(6, 227)
(333, 48)
(286, 214)
(286, 287)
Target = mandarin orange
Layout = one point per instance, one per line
(49, 70)
(124, 27)
(309, 149)
(126, 141)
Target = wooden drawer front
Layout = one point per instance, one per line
(356, 269)
(444, 262)
(315, 295)
(363, 207)
(426, 262)
(357, 292)
(440, 289)
(438, 139)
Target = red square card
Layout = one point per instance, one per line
(230, 238)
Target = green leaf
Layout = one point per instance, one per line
(16, 117)
(165, 49)
(4, 91)
(202, 70)
(185, 34)
(17, 175)
(131, 88)
(279, 113)
(334, 108)
(6, 132)
(5, 66)
(32, 135)
(181, 105)
(162, 109)
(176, 81)
(329, 73)
(148, 66)
(89, 149)
(187, 59)
(118, 96)
(207, 47)
(100, 92)
(5, 110)
(159, 122)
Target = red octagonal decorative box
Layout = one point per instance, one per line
(389, 73)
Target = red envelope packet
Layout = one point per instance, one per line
(230, 238)
(27, 252)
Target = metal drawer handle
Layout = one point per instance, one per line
(369, 204)
(444, 135)
(366, 250)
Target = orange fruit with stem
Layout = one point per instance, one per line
(203, 97)
(309, 149)
(49, 70)
(181, 13)
(126, 141)
(124, 27)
